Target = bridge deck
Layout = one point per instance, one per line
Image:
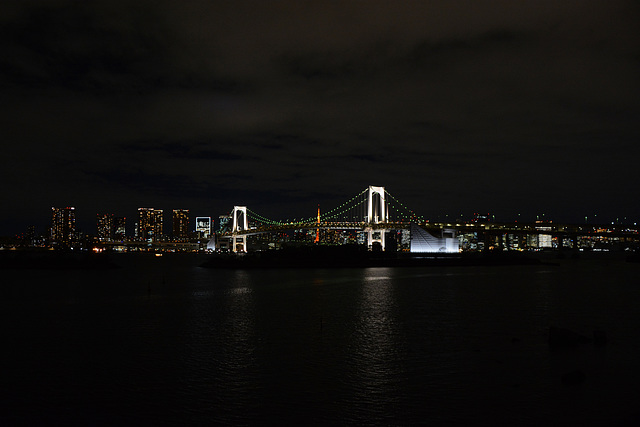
(559, 230)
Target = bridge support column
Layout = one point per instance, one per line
(240, 223)
(238, 243)
(376, 213)
(371, 238)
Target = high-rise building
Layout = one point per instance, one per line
(105, 223)
(204, 226)
(110, 227)
(30, 235)
(180, 223)
(150, 223)
(224, 223)
(63, 227)
(119, 227)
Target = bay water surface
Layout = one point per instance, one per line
(162, 341)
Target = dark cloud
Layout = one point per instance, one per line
(180, 150)
(502, 106)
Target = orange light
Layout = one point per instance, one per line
(318, 229)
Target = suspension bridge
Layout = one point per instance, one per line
(372, 211)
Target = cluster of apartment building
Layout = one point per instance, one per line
(148, 227)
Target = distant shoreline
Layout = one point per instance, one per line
(352, 258)
(54, 260)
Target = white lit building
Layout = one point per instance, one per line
(203, 226)
(424, 242)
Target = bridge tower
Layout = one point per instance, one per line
(317, 240)
(376, 214)
(239, 223)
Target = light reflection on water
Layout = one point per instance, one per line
(358, 346)
(221, 362)
(375, 363)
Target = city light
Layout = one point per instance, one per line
(370, 218)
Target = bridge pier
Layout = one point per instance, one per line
(371, 239)
(238, 242)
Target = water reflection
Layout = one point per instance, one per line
(543, 296)
(222, 360)
(240, 311)
(375, 358)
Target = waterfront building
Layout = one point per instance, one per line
(63, 227)
(544, 240)
(204, 226)
(119, 227)
(30, 236)
(405, 240)
(105, 223)
(150, 223)
(423, 241)
(180, 223)
(224, 223)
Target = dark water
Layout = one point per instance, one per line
(161, 341)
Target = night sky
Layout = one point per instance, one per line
(506, 107)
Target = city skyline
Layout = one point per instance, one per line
(376, 227)
(526, 107)
(108, 226)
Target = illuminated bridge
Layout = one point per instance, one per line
(374, 211)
